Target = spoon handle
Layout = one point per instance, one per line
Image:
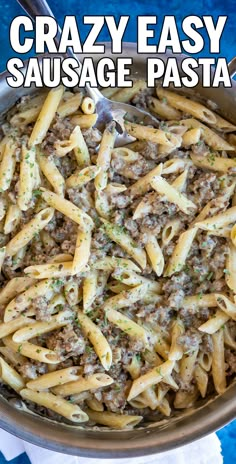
(36, 8)
(41, 8)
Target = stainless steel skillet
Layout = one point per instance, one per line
(166, 435)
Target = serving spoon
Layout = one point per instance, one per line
(106, 109)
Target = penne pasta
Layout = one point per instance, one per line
(181, 103)
(113, 420)
(97, 339)
(163, 188)
(218, 362)
(82, 384)
(52, 173)
(46, 115)
(52, 379)
(57, 404)
(68, 209)
(28, 232)
(209, 136)
(152, 377)
(122, 238)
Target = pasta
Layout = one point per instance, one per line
(118, 285)
(46, 116)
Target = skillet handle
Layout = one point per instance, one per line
(232, 67)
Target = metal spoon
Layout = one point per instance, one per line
(107, 110)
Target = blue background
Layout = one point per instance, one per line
(10, 9)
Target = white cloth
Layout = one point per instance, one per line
(204, 451)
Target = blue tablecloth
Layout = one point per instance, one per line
(10, 9)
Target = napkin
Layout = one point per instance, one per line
(204, 451)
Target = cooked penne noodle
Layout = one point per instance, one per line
(176, 350)
(10, 376)
(180, 182)
(233, 234)
(162, 109)
(2, 256)
(102, 204)
(13, 287)
(215, 323)
(71, 290)
(3, 207)
(25, 117)
(163, 188)
(94, 404)
(52, 379)
(153, 135)
(89, 290)
(192, 137)
(230, 269)
(214, 163)
(184, 399)
(126, 298)
(57, 404)
(46, 116)
(26, 180)
(84, 121)
(7, 328)
(125, 241)
(131, 279)
(201, 378)
(229, 337)
(126, 94)
(131, 328)
(53, 270)
(88, 105)
(209, 136)
(104, 155)
(181, 251)
(63, 147)
(12, 219)
(205, 360)
(218, 362)
(39, 328)
(181, 103)
(176, 165)
(18, 305)
(97, 339)
(169, 231)
(51, 173)
(145, 206)
(82, 177)
(155, 254)
(69, 105)
(15, 359)
(68, 209)
(226, 305)
(36, 352)
(8, 164)
(223, 125)
(195, 302)
(109, 263)
(152, 377)
(187, 367)
(113, 420)
(29, 230)
(82, 384)
(82, 251)
(218, 221)
(143, 185)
